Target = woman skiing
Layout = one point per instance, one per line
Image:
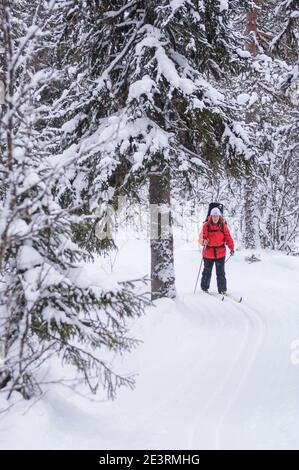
(214, 237)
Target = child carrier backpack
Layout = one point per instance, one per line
(221, 208)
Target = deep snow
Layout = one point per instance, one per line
(211, 374)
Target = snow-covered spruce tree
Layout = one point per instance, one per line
(285, 45)
(46, 310)
(252, 95)
(276, 124)
(269, 191)
(250, 195)
(148, 102)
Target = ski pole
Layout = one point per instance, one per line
(200, 267)
(229, 257)
(198, 274)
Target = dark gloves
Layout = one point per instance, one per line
(232, 252)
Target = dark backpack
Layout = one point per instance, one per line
(221, 208)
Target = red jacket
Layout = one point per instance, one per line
(217, 236)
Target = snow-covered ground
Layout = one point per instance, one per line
(211, 374)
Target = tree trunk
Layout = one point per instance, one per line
(251, 226)
(162, 260)
(251, 229)
(251, 31)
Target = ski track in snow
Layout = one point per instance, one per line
(226, 385)
(223, 387)
(211, 422)
(235, 379)
(213, 374)
(256, 326)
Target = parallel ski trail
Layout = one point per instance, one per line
(199, 419)
(247, 351)
(261, 333)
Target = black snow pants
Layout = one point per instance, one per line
(207, 273)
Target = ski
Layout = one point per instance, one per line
(213, 294)
(233, 297)
(222, 296)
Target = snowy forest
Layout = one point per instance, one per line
(120, 122)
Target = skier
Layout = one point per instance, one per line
(214, 236)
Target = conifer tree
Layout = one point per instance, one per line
(149, 103)
(46, 309)
(268, 195)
